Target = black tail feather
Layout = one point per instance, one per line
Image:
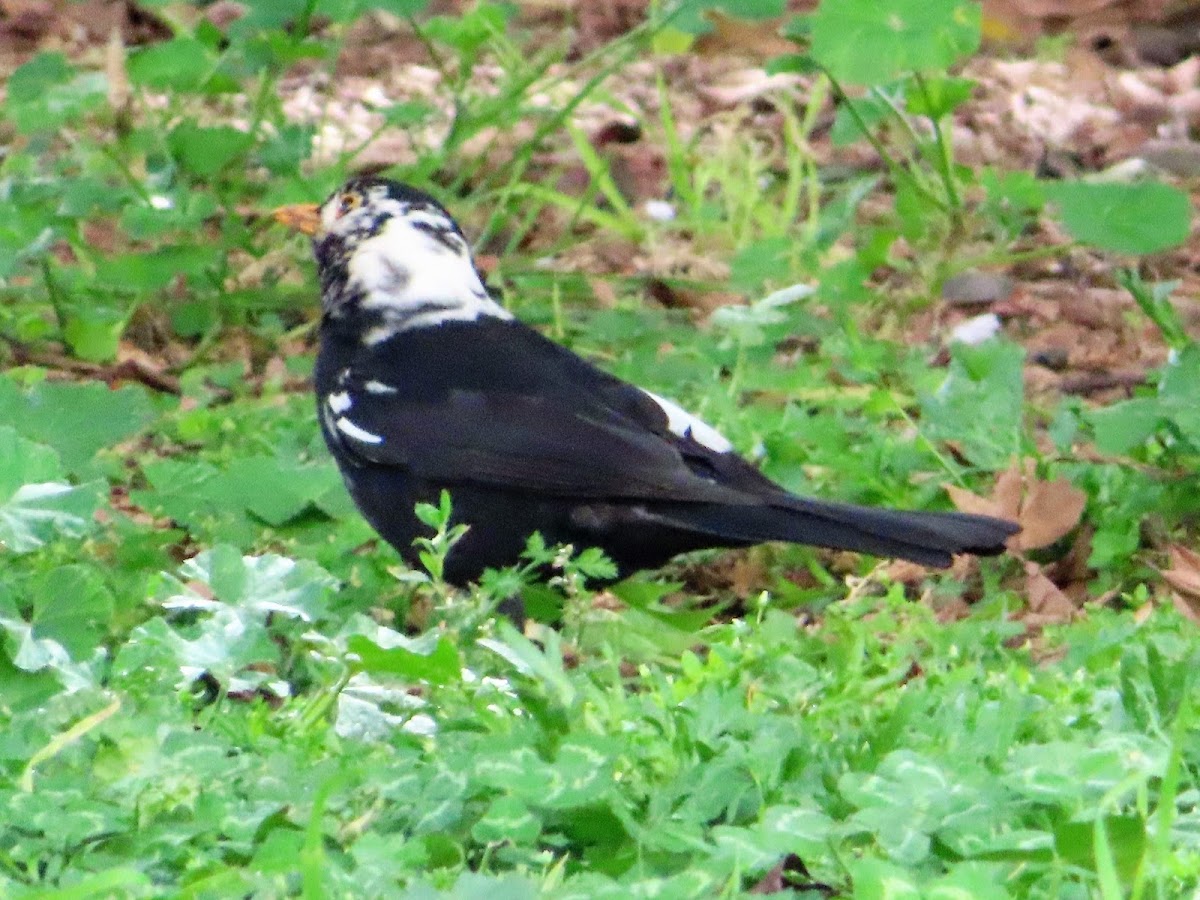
(928, 538)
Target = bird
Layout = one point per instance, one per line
(425, 383)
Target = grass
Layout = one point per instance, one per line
(215, 682)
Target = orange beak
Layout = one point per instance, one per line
(302, 217)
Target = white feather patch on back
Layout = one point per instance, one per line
(682, 423)
(348, 428)
(339, 402)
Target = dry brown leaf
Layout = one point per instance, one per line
(1184, 574)
(1184, 578)
(116, 73)
(1050, 510)
(1007, 492)
(901, 571)
(1189, 607)
(1008, 20)
(954, 609)
(1048, 605)
(1045, 510)
(758, 39)
(970, 502)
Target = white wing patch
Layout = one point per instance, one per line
(378, 387)
(682, 423)
(339, 402)
(348, 428)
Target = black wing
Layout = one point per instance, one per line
(499, 404)
(536, 444)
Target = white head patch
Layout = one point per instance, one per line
(422, 272)
(414, 268)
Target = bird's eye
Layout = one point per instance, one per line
(347, 203)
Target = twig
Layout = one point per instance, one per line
(125, 370)
(1090, 382)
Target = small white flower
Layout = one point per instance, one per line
(976, 330)
(659, 210)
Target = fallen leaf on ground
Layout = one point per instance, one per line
(1047, 604)
(1184, 579)
(731, 35)
(1050, 510)
(904, 572)
(1045, 510)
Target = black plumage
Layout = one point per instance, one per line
(423, 383)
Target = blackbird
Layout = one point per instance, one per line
(424, 382)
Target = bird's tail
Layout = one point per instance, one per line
(928, 538)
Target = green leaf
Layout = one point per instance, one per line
(877, 880)
(76, 419)
(528, 659)
(284, 151)
(870, 110)
(1154, 299)
(26, 232)
(407, 114)
(1076, 842)
(767, 259)
(33, 670)
(979, 404)
(796, 829)
(471, 30)
(671, 41)
(645, 596)
(73, 606)
(1122, 426)
(223, 644)
(793, 63)
(47, 92)
(268, 584)
(1126, 218)
(1179, 390)
(427, 658)
(873, 41)
(939, 96)
(1014, 199)
(400, 8)
(275, 16)
(40, 75)
(166, 211)
(581, 775)
(36, 505)
(132, 273)
(181, 64)
(86, 196)
(204, 152)
(969, 881)
(507, 820)
(515, 769)
(274, 490)
(94, 332)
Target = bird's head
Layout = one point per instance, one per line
(392, 253)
